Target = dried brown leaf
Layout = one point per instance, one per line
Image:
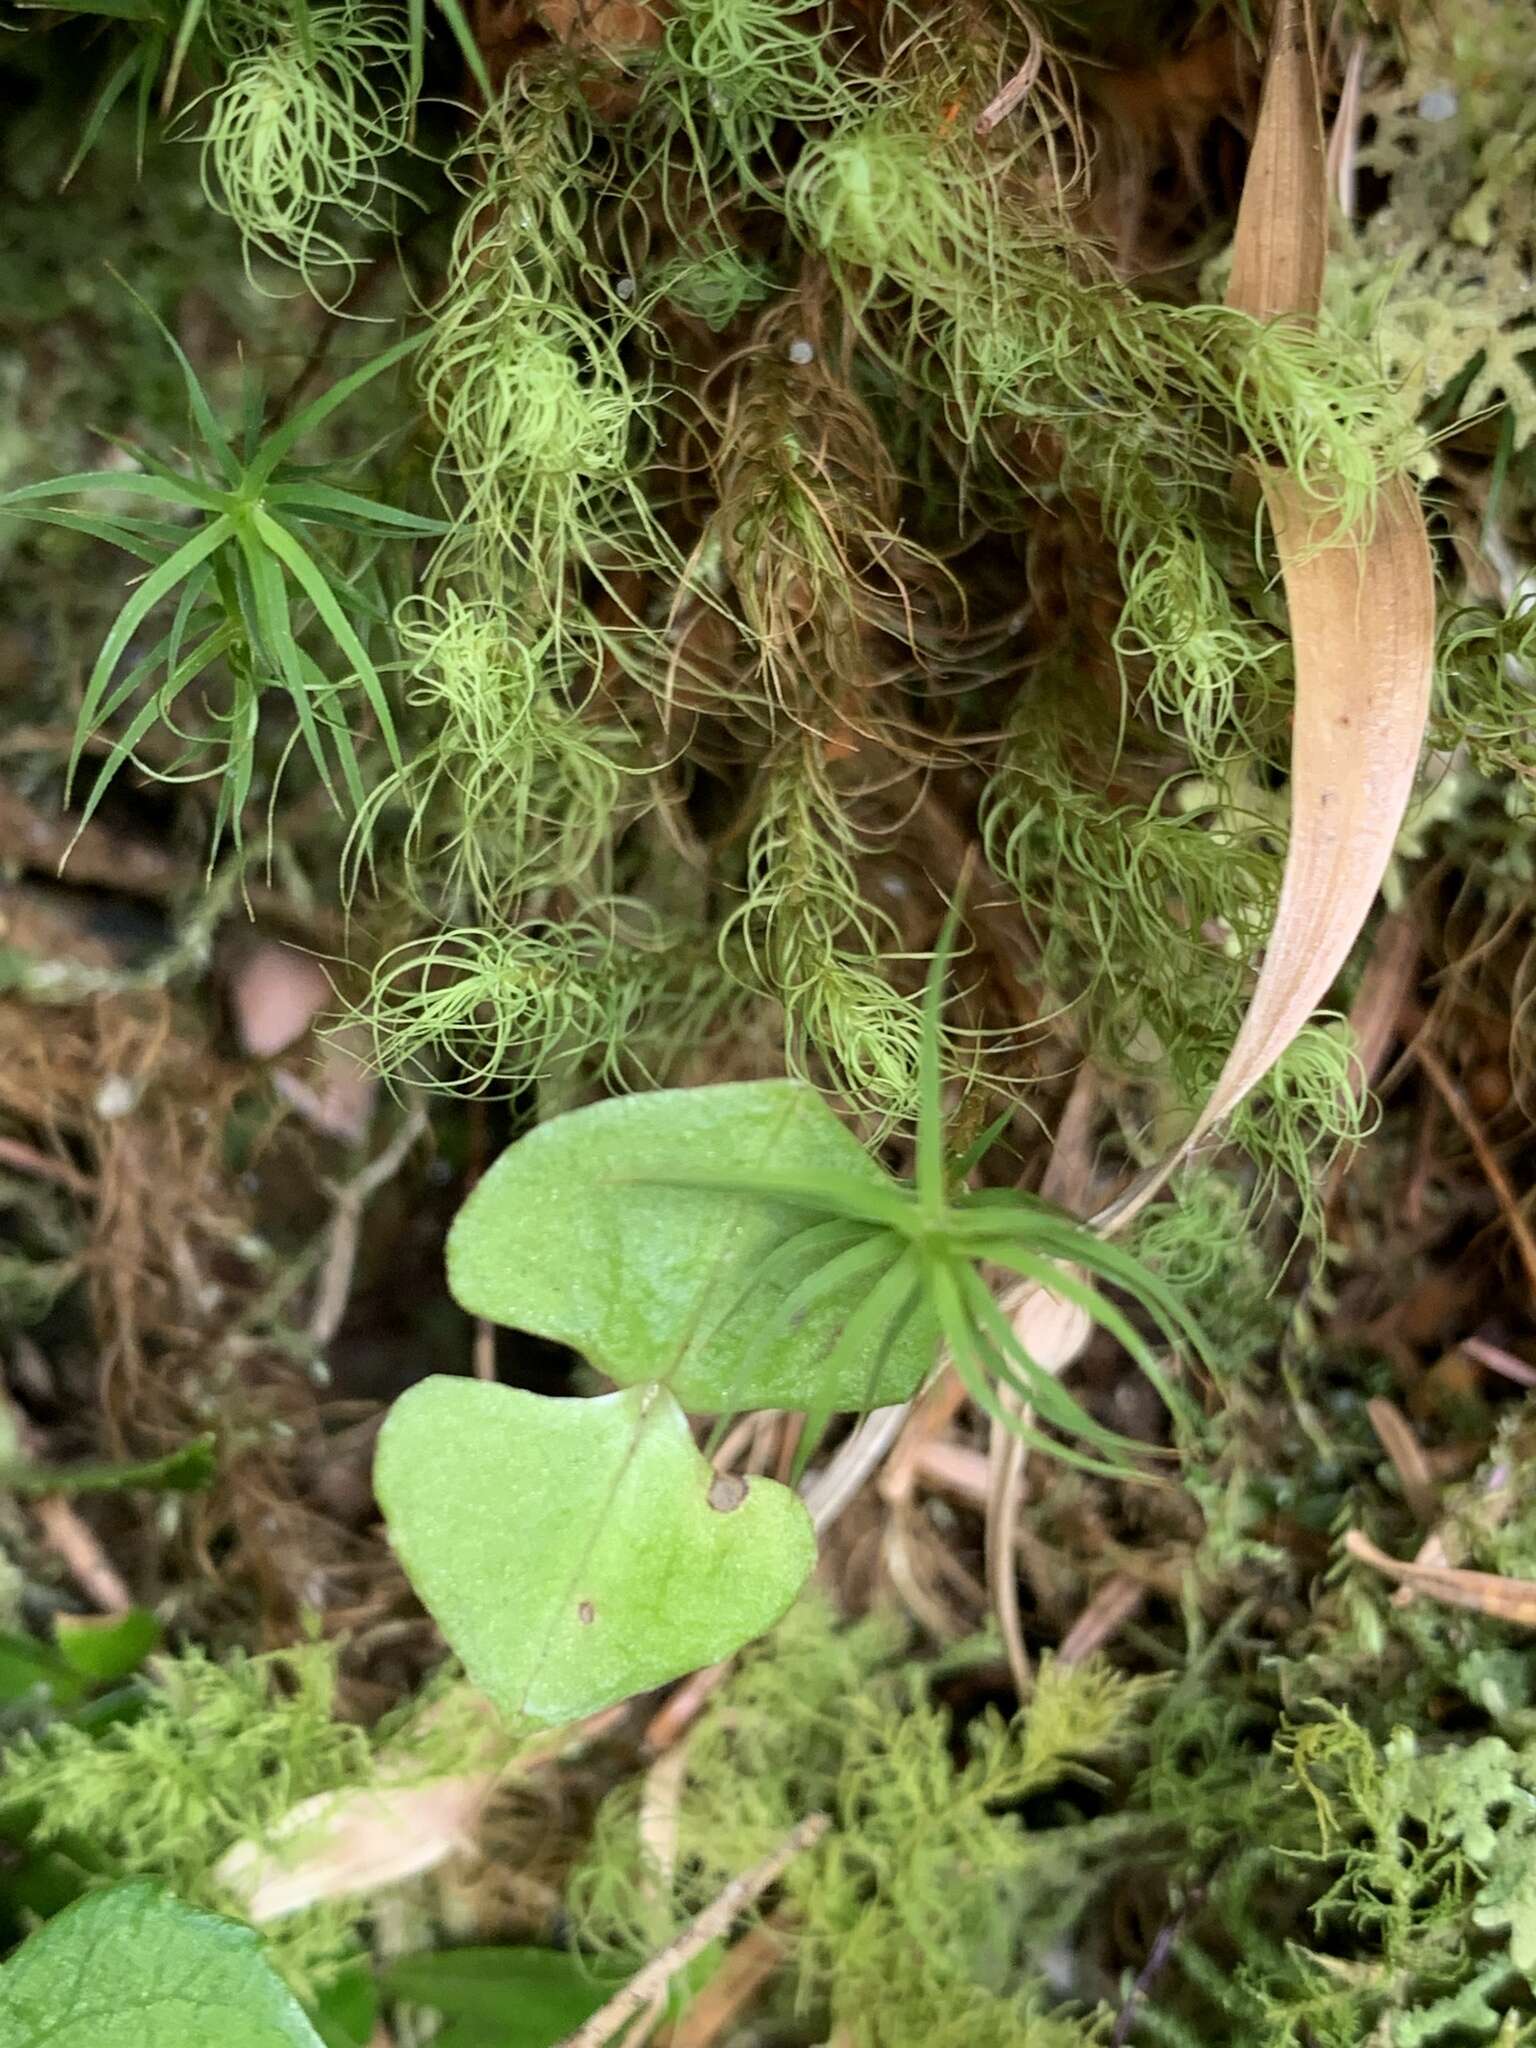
(1281, 244)
(339, 1844)
(1362, 611)
(1361, 606)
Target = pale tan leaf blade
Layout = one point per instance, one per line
(1362, 611)
(1281, 244)
(338, 1845)
(1363, 626)
(1361, 608)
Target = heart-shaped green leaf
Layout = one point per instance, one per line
(570, 1235)
(575, 1552)
(133, 1967)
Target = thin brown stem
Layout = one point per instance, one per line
(335, 1287)
(1450, 1093)
(708, 1926)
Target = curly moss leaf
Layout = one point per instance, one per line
(134, 1968)
(636, 1565)
(567, 1235)
(298, 132)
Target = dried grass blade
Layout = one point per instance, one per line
(1281, 244)
(1362, 610)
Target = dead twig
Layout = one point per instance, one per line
(933, 1412)
(906, 1544)
(335, 1285)
(1502, 1599)
(945, 1467)
(683, 1707)
(1451, 1094)
(67, 1535)
(830, 1492)
(708, 1926)
(1017, 88)
(747, 1967)
(1104, 1616)
(1498, 1360)
(84, 1559)
(24, 1158)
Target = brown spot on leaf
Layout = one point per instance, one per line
(728, 1491)
(586, 1614)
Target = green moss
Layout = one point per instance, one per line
(803, 938)
(608, 497)
(1439, 274)
(715, 284)
(512, 786)
(296, 135)
(1145, 913)
(926, 1913)
(611, 995)
(218, 1754)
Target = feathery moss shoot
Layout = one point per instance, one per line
(298, 134)
(513, 786)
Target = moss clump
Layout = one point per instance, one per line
(927, 1910)
(296, 135)
(219, 1753)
